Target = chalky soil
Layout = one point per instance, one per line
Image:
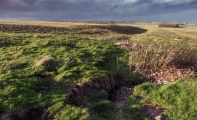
(119, 99)
(121, 94)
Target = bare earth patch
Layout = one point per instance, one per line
(153, 111)
(170, 74)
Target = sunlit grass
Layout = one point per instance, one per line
(178, 99)
(40, 64)
(36, 71)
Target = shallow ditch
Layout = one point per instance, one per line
(120, 93)
(117, 88)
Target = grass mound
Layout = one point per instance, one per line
(178, 99)
(99, 32)
(75, 29)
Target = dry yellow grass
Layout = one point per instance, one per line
(44, 23)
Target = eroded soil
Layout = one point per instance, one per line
(170, 74)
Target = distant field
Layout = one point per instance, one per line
(43, 23)
(76, 71)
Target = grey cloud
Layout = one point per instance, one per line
(90, 9)
(142, 7)
(19, 5)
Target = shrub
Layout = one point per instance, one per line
(155, 55)
(112, 22)
(169, 25)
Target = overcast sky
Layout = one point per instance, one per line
(101, 10)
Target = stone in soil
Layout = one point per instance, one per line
(120, 104)
(159, 117)
(121, 94)
(169, 74)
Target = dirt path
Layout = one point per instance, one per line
(119, 101)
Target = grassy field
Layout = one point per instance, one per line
(160, 48)
(37, 70)
(178, 99)
(40, 62)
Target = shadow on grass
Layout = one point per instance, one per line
(64, 30)
(103, 29)
(124, 29)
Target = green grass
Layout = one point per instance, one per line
(178, 99)
(160, 48)
(133, 111)
(37, 70)
(96, 96)
(101, 107)
(39, 65)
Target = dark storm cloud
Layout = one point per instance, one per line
(151, 7)
(90, 9)
(19, 5)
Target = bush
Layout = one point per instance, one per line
(112, 22)
(154, 55)
(169, 25)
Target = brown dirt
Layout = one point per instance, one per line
(118, 96)
(80, 91)
(119, 100)
(32, 114)
(120, 104)
(153, 111)
(170, 74)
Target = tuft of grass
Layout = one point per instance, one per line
(43, 61)
(178, 99)
(101, 106)
(72, 113)
(97, 96)
(133, 111)
(101, 109)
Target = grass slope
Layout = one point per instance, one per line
(179, 99)
(36, 71)
(163, 47)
